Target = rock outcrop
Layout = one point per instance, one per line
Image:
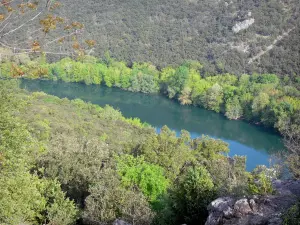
(255, 210)
(243, 25)
(120, 222)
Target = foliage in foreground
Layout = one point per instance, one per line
(25, 197)
(53, 150)
(292, 216)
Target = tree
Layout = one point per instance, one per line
(199, 87)
(147, 177)
(213, 98)
(25, 197)
(246, 99)
(185, 96)
(233, 109)
(265, 78)
(109, 200)
(35, 28)
(290, 128)
(259, 103)
(81, 161)
(166, 74)
(207, 149)
(177, 82)
(167, 151)
(144, 83)
(192, 194)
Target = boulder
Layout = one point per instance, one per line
(255, 210)
(241, 207)
(243, 25)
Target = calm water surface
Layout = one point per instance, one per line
(243, 138)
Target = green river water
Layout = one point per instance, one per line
(257, 143)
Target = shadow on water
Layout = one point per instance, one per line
(244, 139)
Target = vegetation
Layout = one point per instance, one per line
(34, 27)
(64, 157)
(26, 196)
(292, 216)
(65, 162)
(167, 32)
(263, 99)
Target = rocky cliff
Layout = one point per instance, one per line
(255, 210)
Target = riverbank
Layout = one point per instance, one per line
(257, 143)
(262, 99)
(109, 164)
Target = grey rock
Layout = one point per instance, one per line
(242, 207)
(221, 204)
(255, 210)
(120, 222)
(243, 25)
(253, 205)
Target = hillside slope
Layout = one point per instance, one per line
(171, 31)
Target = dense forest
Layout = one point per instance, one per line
(74, 161)
(264, 99)
(237, 36)
(166, 32)
(66, 162)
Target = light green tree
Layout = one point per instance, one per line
(260, 102)
(213, 98)
(24, 196)
(147, 177)
(233, 109)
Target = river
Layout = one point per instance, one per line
(257, 143)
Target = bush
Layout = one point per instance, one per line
(292, 216)
(147, 177)
(108, 200)
(192, 194)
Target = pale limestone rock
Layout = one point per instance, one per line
(243, 25)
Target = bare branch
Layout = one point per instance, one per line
(32, 32)
(52, 53)
(35, 31)
(2, 4)
(19, 27)
(3, 27)
(6, 19)
(19, 20)
(31, 51)
(14, 48)
(50, 42)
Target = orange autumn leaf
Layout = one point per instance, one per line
(31, 5)
(76, 45)
(55, 5)
(61, 40)
(90, 43)
(68, 27)
(49, 23)
(16, 71)
(9, 8)
(36, 46)
(21, 6)
(60, 19)
(77, 25)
